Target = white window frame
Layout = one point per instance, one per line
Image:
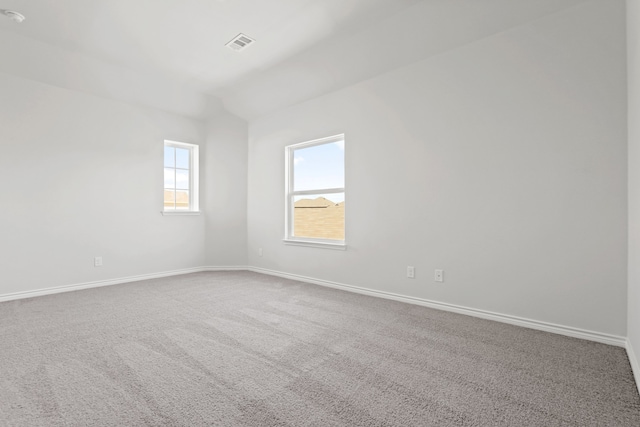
(194, 181)
(290, 194)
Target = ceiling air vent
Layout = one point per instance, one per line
(240, 42)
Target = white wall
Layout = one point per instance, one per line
(633, 46)
(82, 177)
(26, 57)
(502, 162)
(225, 193)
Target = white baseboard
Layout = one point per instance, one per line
(96, 284)
(635, 363)
(229, 268)
(513, 320)
(504, 318)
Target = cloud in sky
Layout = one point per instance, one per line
(340, 144)
(297, 160)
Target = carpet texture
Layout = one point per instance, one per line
(244, 349)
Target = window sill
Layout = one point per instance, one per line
(180, 213)
(322, 245)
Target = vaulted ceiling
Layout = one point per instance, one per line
(171, 54)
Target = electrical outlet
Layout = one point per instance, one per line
(97, 261)
(259, 251)
(411, 272)
(439, 276)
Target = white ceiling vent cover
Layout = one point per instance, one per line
(240, 42)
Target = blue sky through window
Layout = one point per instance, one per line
(169, 157)
(176, 159)
(182, 158)
(320, 167)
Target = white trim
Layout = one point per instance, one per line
(635, 363)
(316, 244)
(179, 144)
(320, 191)
(109, 282)
(290, 193)
(226, 268)
(194, 174)
(319, 141)
(96, 284)
(504, 318)
(569, 331)
(180, 213)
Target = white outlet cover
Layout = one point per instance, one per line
(411, 272)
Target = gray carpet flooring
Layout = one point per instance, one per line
(244, 349)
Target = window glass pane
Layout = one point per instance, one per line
(169, 178)
(182, 179)
(182, 158)
(169, 199)
(182, 199)
(320, 216)
(320, 166)
(180, 175)
(169, 157)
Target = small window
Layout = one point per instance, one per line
(180, 177)
(315, 199)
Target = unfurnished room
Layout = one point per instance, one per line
(320, 213)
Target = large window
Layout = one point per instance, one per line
(315, 196)
(180, 177)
